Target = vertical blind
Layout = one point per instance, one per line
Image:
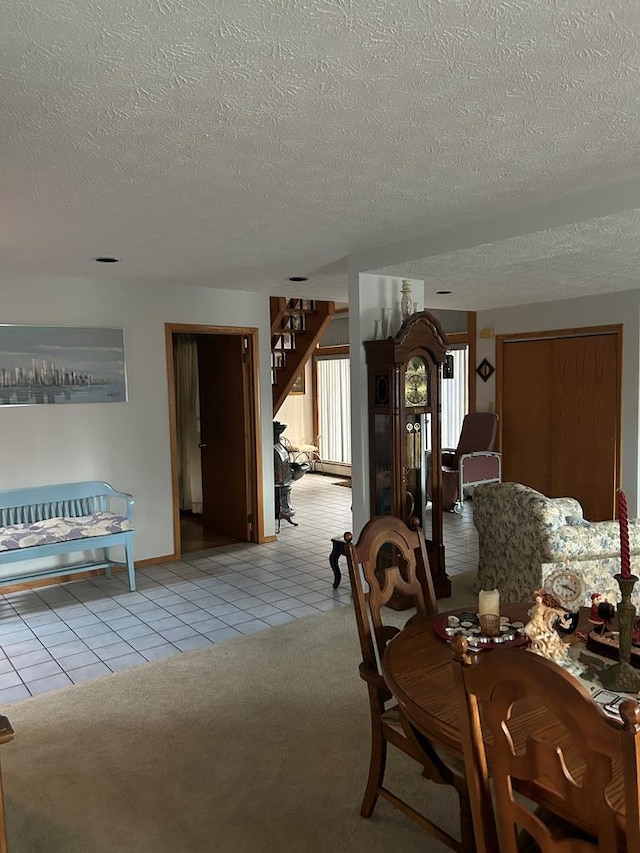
(455, 398)
(334, 401)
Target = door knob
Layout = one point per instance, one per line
(202, 445)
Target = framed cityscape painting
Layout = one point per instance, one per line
(61, 364)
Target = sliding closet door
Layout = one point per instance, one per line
(526, 413)
(587, 420)
(561, 417)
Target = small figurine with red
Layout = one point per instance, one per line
(594, 617)
(607, 612)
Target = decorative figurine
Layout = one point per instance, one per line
(593, 614)
(545, 640)
(601, 614)
(606, 613)
(566, 622)
(546, 614)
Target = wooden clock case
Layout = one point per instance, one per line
(399, 462)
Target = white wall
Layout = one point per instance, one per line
(572, 313)
(126, 444)
(297, 412)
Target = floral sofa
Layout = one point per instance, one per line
(525, 536)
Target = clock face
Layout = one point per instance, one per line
(416, 382)
(567, 587)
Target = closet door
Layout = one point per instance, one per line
(560, 417)
(526, 413)
(585, 422)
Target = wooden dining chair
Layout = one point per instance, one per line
(390, 556)
(530, 727)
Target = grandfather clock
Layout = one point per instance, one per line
(404, 375)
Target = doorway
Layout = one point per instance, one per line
(559, 401)
(215, 436)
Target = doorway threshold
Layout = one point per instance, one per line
(193, 537)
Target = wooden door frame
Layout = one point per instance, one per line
(578, 332)
(257, 508)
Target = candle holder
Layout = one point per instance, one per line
(622, 677)
(489, 625)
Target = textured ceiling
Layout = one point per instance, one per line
(232, 144)
(600, 255)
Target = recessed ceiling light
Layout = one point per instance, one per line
(298, 278)
(106, 260)
(443, 292)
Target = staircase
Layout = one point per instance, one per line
(296, 328)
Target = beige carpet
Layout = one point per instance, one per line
(258, 744)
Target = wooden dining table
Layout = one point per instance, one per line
(417, 666)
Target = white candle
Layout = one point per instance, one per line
(489, 602)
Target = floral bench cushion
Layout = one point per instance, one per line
(61, 530)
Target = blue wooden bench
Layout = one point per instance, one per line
(47, 521)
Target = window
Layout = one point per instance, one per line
(334, 404)
(334, 401)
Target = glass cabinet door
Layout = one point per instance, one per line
(417, 440)
(382, 464)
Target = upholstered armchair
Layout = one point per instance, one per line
(525, 536)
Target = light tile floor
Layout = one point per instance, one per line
(73, 632)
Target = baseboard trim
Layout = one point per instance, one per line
(153, 561)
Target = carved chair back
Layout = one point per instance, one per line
(392, 558)
(535, 729)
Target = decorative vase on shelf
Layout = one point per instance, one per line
(376, 330)
(405, 303)
(386, 320)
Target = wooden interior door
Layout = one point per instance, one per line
(225, 425)
(560, 417)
